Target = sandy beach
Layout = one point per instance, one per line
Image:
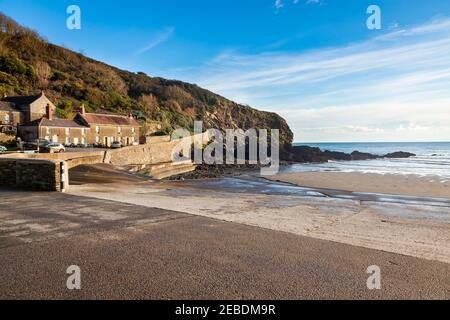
(407, 185)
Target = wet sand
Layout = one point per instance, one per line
(372, 183)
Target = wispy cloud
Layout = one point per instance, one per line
(395, 85)
(159, 38)
(280, 3)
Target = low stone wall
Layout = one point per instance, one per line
(93, 159)
(31, 174)
(65, 156)
(157, 139)
(152, 153)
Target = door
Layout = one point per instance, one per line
(108, 141)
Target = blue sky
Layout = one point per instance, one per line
(313, 61)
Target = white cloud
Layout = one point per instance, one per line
(278, 4)
(395, 84)
(159, 38)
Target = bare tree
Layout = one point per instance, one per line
(43, 73)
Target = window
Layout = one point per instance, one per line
(67, 131)
(119, 129)
(133, 130)
(67, 140)
(119, 139)
(97, 139)
(97, 129)
(7, 118)
(83, 132)
(47, 130)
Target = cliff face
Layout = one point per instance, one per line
(28, 64)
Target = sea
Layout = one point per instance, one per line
(432, 160)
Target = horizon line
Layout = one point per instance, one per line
(431, 141)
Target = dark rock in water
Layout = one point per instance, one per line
(399, 155)
(356, 155)
(305, 154)
(334, 155)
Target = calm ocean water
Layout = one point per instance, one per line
(433, 159)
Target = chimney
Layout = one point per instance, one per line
(49, 112)
(82, 109)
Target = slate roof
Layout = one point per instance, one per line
(56, 123)
(107, 119)
(22, 100)
(8, 106)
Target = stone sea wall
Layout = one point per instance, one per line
(30, 174)
(160, 151)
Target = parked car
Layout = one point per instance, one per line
(54, 148)
(3, 149)
(34, 145)
(116, 145)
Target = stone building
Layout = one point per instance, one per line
(32, 118)
(31, 107)
(105, 129)
(10, 118)
(85, 128)
(48, 128)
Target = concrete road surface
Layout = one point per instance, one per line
(132, 252)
